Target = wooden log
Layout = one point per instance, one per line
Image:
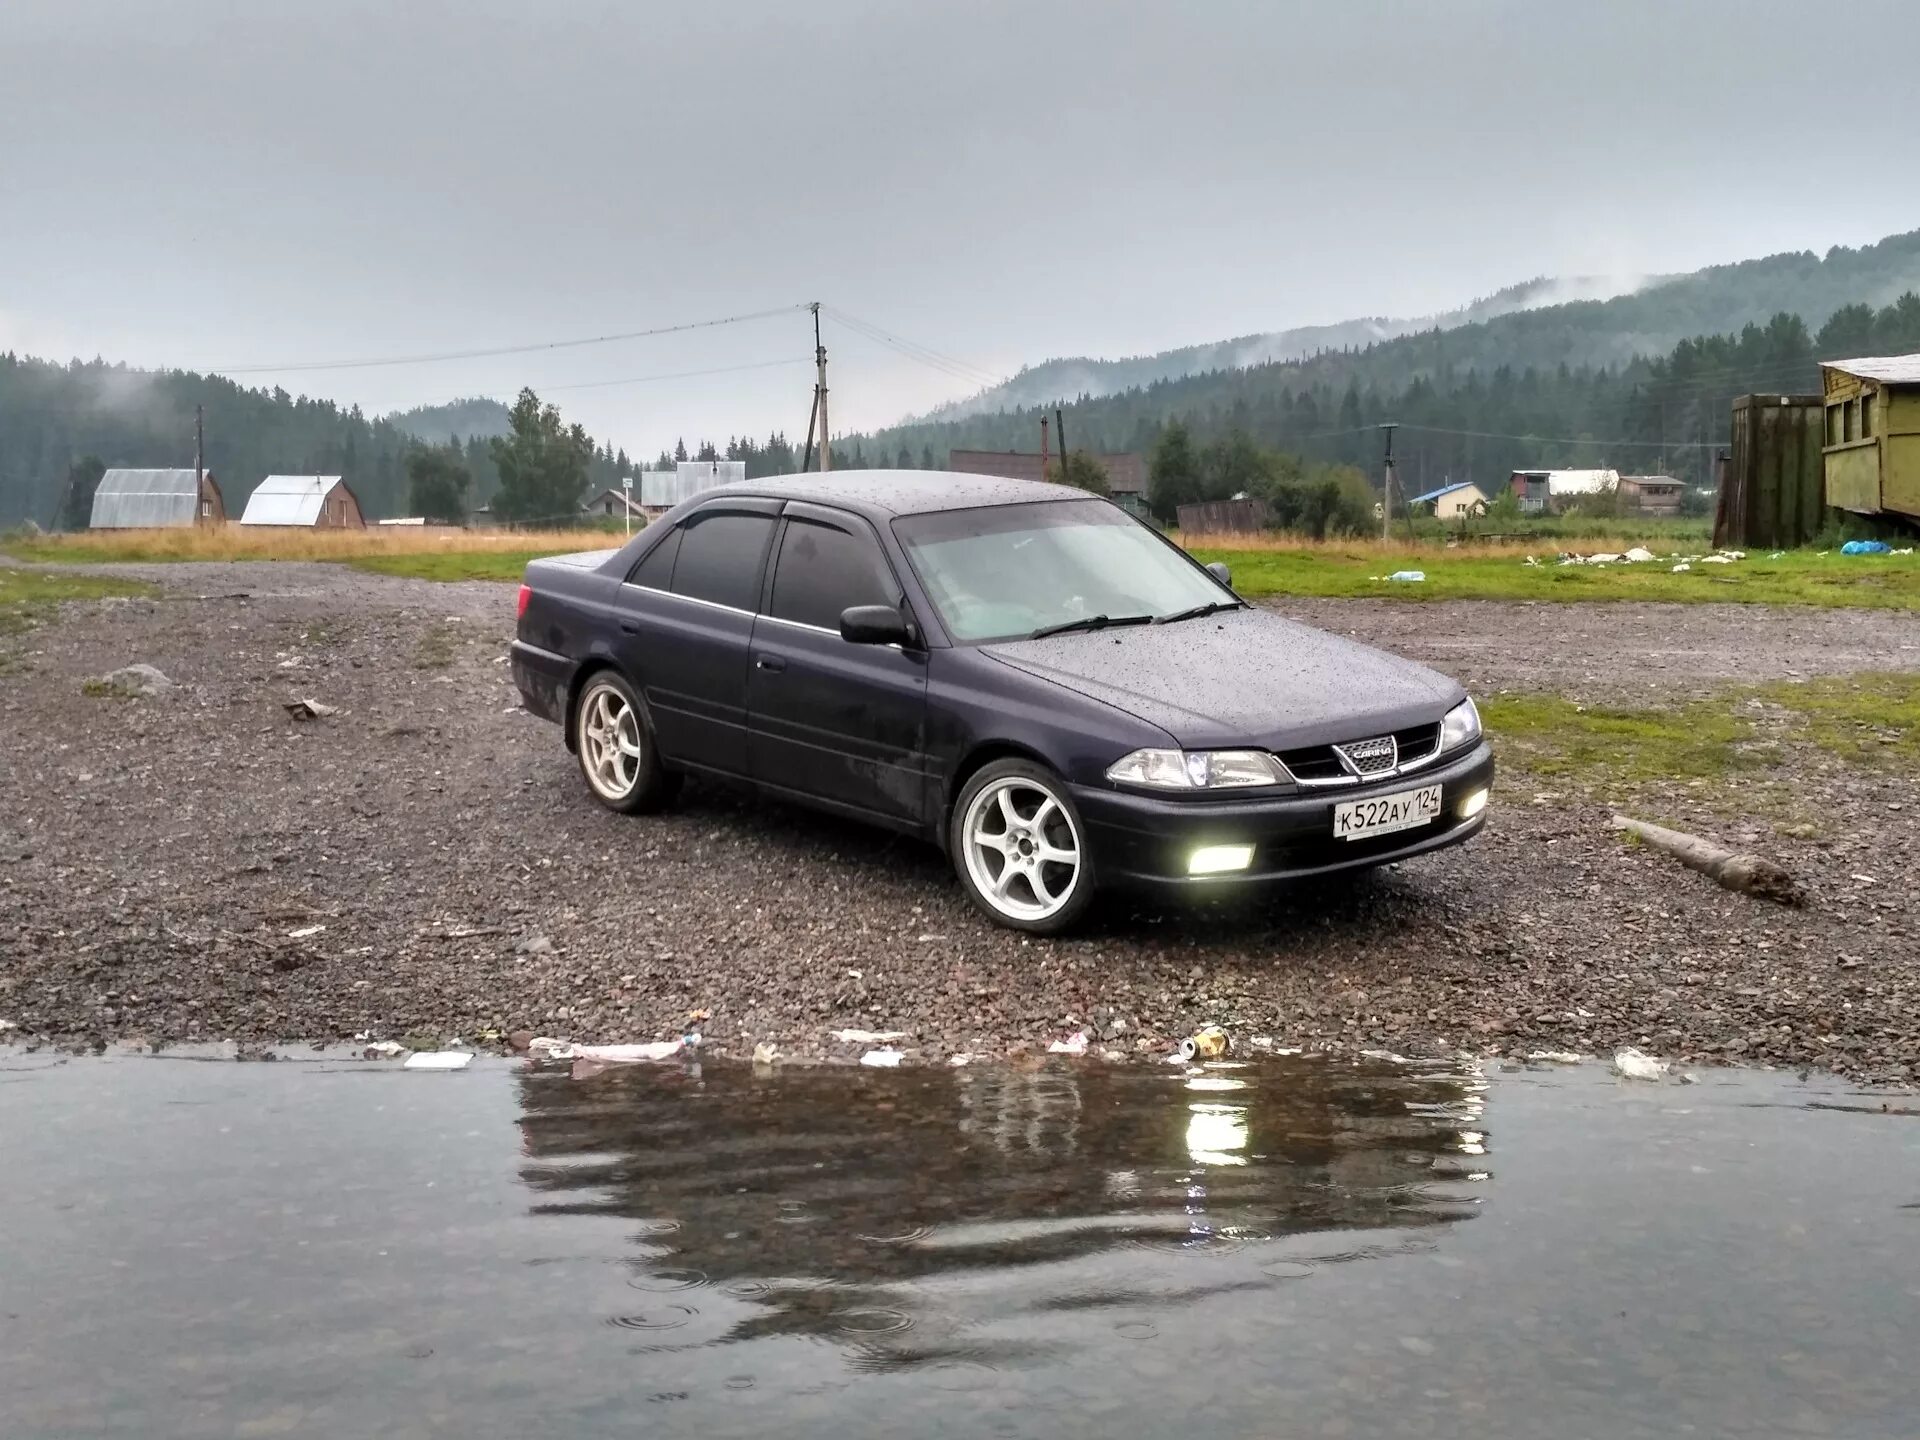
(1748, 874)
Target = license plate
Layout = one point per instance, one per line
(1384, 814)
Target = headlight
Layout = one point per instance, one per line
(1461, 727)
(1198, 769)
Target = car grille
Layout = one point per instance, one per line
(1371, 756)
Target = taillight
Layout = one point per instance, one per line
(520, 609)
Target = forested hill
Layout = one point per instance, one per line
(460, 420)
(1083, 377)
(1480, 376)
(52, 415)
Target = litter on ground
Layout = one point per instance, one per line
(1072, 1045)
(868, 1037)
(438, 1060)
(1209, 1042)
(544, 1049)
(1632, 1064)
(886, 1059)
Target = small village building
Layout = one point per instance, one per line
(617, 502)
(1544, 492)
(1771, 492)
(156, 499)
(305, 502)
(1650, 495)
(1126, 471)
(661, 490)
(1458, 501)
(1871, 450)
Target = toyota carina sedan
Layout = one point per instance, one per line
(1022, 674)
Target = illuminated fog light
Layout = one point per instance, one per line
(1218, 859)
(1473, 804)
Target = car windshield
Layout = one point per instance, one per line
(1009, 570)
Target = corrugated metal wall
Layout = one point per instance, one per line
(667, 488)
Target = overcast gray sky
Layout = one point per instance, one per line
(211, 184)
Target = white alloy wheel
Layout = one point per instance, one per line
(1022, 848)
(611, 748)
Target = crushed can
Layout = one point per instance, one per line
(1209, 1042)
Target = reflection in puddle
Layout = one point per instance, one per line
(843, 1207)
(1300, 1247)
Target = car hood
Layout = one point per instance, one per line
(1246, 677)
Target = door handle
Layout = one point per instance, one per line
(629, 627)
(769, 662)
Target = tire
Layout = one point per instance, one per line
(614, 741)
(1041, 878)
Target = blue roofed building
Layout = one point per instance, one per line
(1454, 502)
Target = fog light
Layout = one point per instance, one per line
(1473, 804)
(1218, 859)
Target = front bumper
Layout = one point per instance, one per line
(1145, 841)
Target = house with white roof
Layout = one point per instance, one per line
(304, 502)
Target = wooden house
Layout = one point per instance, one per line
(1871, 448)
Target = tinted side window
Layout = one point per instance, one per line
(822, 571)
(655, 569)
(720, 557)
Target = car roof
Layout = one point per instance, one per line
(899, 492)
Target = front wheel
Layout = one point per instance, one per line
(1020, 848)
(615, 745)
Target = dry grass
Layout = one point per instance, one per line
(237, 542)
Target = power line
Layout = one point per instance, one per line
(1562, 440)
(436, 357)
(925, 354)
(649, 379)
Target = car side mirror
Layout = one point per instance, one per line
(1218, 569)
(874, 625)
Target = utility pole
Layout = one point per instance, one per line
(820, 391)
(1043, 447)
(199, 453)
(1060, 438)
(1386, 484)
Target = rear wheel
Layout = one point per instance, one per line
(1020, 849)
(615, 745)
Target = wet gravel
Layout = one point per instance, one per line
(164, 861)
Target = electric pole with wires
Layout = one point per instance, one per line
(1386, 484)
(818, 416)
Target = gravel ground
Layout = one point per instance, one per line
(158, 854)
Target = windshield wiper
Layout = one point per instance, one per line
(1212, 607)
(1089, 622)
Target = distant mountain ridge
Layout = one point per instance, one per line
(1072, 378)
(1630, 329)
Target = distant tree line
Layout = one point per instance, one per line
(1461, 418)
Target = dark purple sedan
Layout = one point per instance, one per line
(1022, 674)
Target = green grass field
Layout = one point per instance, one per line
(1867, 722)
(27, 595)
(1799, 577)
(1262, 566)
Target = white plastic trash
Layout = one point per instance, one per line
(1072, 1045)
(438, 1060)
(868, 1037)
(1632, 1064)
(1638, 555)
(1408, 576)
(881, 1059)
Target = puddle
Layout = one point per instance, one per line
(1297, 1247)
